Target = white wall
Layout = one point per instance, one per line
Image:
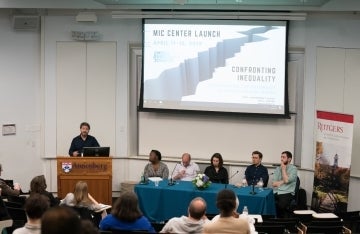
(20, 102)
(31, 106)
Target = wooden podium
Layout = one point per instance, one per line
(95, 171)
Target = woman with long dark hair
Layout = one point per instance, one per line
(216, 172)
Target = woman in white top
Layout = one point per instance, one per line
(81, 197)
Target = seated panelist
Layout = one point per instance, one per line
(216, 172)
(187, 170)
(156, 168)
(83, 140)
(256, 170)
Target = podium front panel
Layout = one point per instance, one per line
(95, 171)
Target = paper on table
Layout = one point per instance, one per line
(153, 179)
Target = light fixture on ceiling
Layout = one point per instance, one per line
(180, 2)
(135, 14)
(86, 16)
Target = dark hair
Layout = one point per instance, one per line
(217, 155)
(60, 220)
(258, 153)
(226, 202)
(38, 184)
(126, 207)
(87, 227)
(157, 153)
(36, 205)
(197, 212)
(85, 124)
(288, 154)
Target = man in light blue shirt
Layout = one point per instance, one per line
(284, 183)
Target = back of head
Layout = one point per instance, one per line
(81, 193)
(126, 207)
(60, 220)
(36, 205)
(226, 202)
(197, 208)
(38, 184)
(87, 227)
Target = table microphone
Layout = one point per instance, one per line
(252, 192)
(172, 182)
(231, 178)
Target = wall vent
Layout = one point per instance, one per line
(26, 22)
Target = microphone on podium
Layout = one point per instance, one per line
(171, 181)
(231, 177)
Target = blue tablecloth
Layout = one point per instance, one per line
(164, 202)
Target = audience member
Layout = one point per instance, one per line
(60, 220)
(256, 171)
(156, 168)
(83, 140)
(246, 217)
(227, 223)
(216, 172)
(193, 223)
(81, 197)
(35, 207)
(6, 190)
(87, 227)
(38, 185)
(187, 170)
(126, 215)
(284, 183)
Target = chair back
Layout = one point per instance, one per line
(270, 229)
(289, 223)
(129, 231)
(13, 204)
(351, 220)
(18, 216)
(158, 226)
(4, 214)
(18, 199)
(324, 229)
(88, 214)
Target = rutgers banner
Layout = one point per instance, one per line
(332, 161)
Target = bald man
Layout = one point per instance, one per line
(186, 170)
(193, 223)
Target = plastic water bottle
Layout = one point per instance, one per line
(142, 178)
(245, 210)
(244, 182)
(260, 184)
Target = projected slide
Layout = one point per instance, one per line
(221, 66)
